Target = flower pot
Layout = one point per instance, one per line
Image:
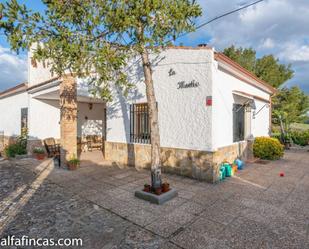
(158, 191)
(165, 187)
(39, 156)
(147, 188)
(72, 166)
(235, 168)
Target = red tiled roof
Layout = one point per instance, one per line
(20, 87)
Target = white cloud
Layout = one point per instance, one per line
(13, 68)
(268, 43)
(278, 27)
(295, 52)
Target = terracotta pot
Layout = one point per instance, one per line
(72, 166)
(158, 191)
(165, 187)
(39, 156)
(147, 188)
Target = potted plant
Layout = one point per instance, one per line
(158, 191)
(147, 188)
(73, 163)
(165, 187)
(39, 153)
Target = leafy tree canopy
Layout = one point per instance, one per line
(290, 105)
(266, 68)
(96, 36)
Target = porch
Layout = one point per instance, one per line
(63, 110)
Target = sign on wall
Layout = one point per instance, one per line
(191, 84)
(183, 84)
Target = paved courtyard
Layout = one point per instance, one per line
(254, 209)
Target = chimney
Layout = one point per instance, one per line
(202, 45)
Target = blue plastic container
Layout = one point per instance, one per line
(240, 164)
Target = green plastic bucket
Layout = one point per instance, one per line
(222, 173)
(228, 170)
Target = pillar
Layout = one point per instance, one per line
(68, 119)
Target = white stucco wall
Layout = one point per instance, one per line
(10, 113)
(37, 74)
(44, 118)
(94, 123)
(223, 86)
(184, 119)
(261, 122)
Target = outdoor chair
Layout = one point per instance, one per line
(52, 148)
(94, 142)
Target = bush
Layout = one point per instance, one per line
(38, 150)
(19, 147)
(267, 148)
(15, 149)
(74, 160)
(300, 137)
(276, 135)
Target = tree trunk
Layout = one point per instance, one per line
(154, 122)
(282, 130)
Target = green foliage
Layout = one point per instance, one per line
(38, 150)
(96, 36)
(20, 145)
(266, 68)
(300, 137)
(299, 126)
(246, 57)
(74, 160)
(276, 135)
(267, 148)
(15, 149)
(290, 105)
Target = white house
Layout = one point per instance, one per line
(208, 105)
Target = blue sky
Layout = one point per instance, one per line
(278, 27)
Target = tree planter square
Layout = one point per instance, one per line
(156, 199)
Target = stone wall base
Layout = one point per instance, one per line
(201, 165)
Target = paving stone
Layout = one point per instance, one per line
(169, 245)
(204, 225)
(142, 217)
(287, 240)
(281, 223)
(180, 217)
(243, 233)
(189, 239)
(163, 227)
(135, 237)
(186, 194)
(97, 204)
(192, 208)
(219, 215)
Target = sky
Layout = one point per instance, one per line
(278, 27)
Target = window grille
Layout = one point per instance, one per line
(139, 124)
